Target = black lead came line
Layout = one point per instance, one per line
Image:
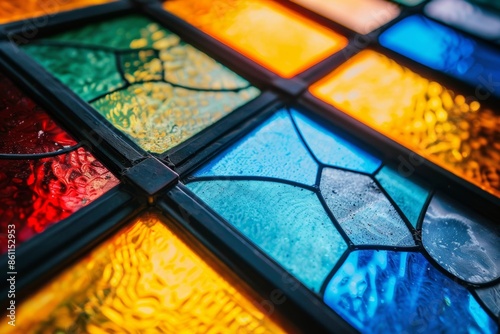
(35, 156)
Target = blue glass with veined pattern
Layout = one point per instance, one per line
(445, 49)
(380, 291)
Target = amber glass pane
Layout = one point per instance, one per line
(142, 280)
(15, 10)
(362, 16)
(267, 32)
(451, 130)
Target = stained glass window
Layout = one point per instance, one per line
(253, 166)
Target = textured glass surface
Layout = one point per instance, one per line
(362, 16)
(35, 194)
(143, 79)
(15, 10)
(142, 280)
(399, 292)
(272, 150)
(491, 298)
(36, 190)
(461, 241)
(448, 129)
(333, 149)
(362, 210)
(446, 50)
(286, 222)
(466, 16)
(409, 193)
(269, 33)
(24, 127)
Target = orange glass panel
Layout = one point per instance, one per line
(15, 10)
(142, 280)
(451, 130)
(362, 16)
(270, 34)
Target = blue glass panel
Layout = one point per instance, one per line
(446, 50)
(332, 149)
(362, 210)
(491, 298)
(286, 222)
(400, 292)
(461, 241)
(409, 193)
(272, 150)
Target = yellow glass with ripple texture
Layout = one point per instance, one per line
(15, 10)
(142, 280)
(268, 33)
(449, 129)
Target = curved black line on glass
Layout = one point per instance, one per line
(34, 156)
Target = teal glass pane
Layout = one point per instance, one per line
(379, 291)
(409, 193)
(463, 242)
(288, 223)
(362, 210)
(333, 149)
(447, 50)
(143, 79)
(274, 149)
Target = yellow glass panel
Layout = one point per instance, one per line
(15, 10)
(142, 280)
(362, 16)
(270, 34)
(451, 130)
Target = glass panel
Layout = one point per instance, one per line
(272, 150)
(14, 10)
(362, 16)
(36, 189)
(142, 280)
(269, 33)
(491, 298)
(466, 16)
(461, 241)
(286, 222)
(362, 210)
(381, 291)
(448, 129)
(143, 79)
(408, 191)
(448, 51)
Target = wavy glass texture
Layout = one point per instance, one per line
(408, 192)
(35, 194)
(463, 242)
(272, 150)
(143, 280)
(14, 10)
(446, 50)
(143, 79)
(25, 128)
(362, 16)
(288, 223)
(435, 122)
(464, 15)
(379, 291)
(362, 210)
(272, 35)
